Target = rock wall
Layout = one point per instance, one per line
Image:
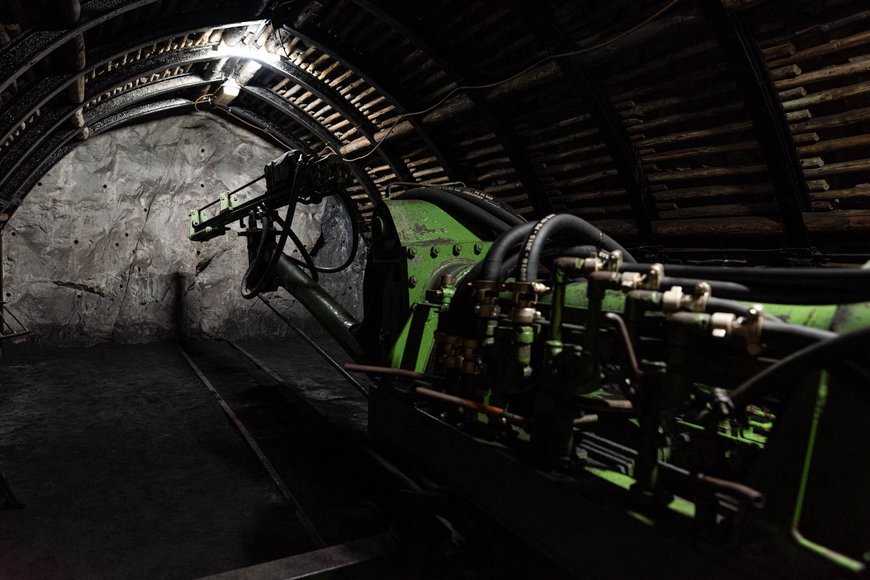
(99, 251)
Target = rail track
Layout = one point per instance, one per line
(358, 509)
(323, 470)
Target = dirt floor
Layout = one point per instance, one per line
(128, 468)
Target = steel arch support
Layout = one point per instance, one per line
(403, 23)
(287, 108)
(589, 91)
(768, 118)
(345, 55)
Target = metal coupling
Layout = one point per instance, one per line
(630, 281)
(723, 324)
(675, 299)
(525, 294)
(488, 309)
(603, 262)
(486, 297)
(452, 352)
(525, 315)
(651, 280)
(469, 356)
(613, 261)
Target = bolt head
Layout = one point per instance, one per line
(412, 281)
(457, 249)
(434, 252)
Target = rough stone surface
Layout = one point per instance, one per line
(99, 251)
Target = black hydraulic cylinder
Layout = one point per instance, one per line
(335, 319)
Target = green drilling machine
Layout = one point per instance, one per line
(620, 417)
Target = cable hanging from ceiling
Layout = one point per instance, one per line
(558, 56)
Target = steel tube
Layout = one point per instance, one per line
(335, 319)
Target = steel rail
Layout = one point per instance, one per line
(303, 518)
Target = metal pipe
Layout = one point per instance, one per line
(385, 371)
(473, 405)
(629, 346)
(754, 497)
(432, 394)
(560, 282)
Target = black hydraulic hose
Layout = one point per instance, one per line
(498, 252)
(721, 289)
(286, 232)
(781, 285)
(818, 355)
(811, 276)
(792, 332)
(551, 253)
(487, 202)
(461, 209)
(267, 225)
(307, 261)
(555, 224)
(354, 227)
(734, 307)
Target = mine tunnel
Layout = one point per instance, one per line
(390, 289)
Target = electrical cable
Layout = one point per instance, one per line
(667, 6)
(201, 98)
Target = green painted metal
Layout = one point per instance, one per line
(228, 202)
(851, 317)
(840, 318)
(195, 230)
(432, 241)
(827, 553)
(573, 520)
(821, 317)
(414, 345)
(576, 297)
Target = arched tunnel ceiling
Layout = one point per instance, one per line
(696, 129)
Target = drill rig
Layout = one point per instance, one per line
(620, 417)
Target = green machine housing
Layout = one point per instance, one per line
(617, 422)
(787, 474)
